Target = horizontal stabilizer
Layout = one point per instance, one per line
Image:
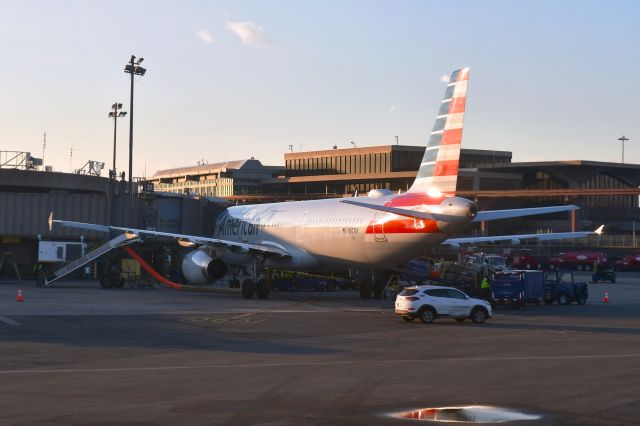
(507, 214)
(405, 212)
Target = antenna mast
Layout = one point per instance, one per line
(44, 145)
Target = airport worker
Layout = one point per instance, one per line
(37, 270)
(485, 289)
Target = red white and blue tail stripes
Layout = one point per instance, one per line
(438, 173)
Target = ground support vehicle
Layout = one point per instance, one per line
(523, 260)
(429, 302)
(517, 287)
(559, 286)
(587, 261)
(629, 263)
(462, 276)
(604, 275)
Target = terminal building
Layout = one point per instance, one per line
(606, 192)
(229, 178)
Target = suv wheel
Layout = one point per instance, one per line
(427, 315)
(479, 315)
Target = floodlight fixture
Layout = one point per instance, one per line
(115, 114)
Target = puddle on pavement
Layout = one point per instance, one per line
(469, 414)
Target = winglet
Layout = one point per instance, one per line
(599, 230)
(50, 221)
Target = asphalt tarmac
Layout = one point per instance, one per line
(81, 355)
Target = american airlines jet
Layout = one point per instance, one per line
(364, 234)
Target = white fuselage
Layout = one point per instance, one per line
(332, 235)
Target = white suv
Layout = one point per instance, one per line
(429, 302)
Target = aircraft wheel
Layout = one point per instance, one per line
(248, 286)
(262, 289)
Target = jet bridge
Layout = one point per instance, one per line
(119, 241)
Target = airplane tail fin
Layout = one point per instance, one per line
(438, 173)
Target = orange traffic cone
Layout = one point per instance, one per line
(19, 299)
(605, 299)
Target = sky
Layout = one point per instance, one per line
(228, 80)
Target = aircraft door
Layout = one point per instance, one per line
(378, 227)
(300, 228)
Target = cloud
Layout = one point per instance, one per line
(393, 109)
(205, 36)
(444, 78)
(249, 33)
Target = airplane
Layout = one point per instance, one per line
(361, 234)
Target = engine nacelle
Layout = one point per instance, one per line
(199, 268)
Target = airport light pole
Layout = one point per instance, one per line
(115, 114)
(133, 68)
(623, 139)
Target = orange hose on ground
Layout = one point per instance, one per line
(150, 270)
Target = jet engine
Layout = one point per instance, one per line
(200, 268)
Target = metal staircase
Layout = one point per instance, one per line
(119, 241)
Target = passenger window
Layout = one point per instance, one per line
(566, 278)
(436, 292)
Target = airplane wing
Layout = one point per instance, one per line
(183, 239)
(517, 238)
(506, 214)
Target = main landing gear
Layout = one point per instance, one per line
(256, 282)
(262, 288)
